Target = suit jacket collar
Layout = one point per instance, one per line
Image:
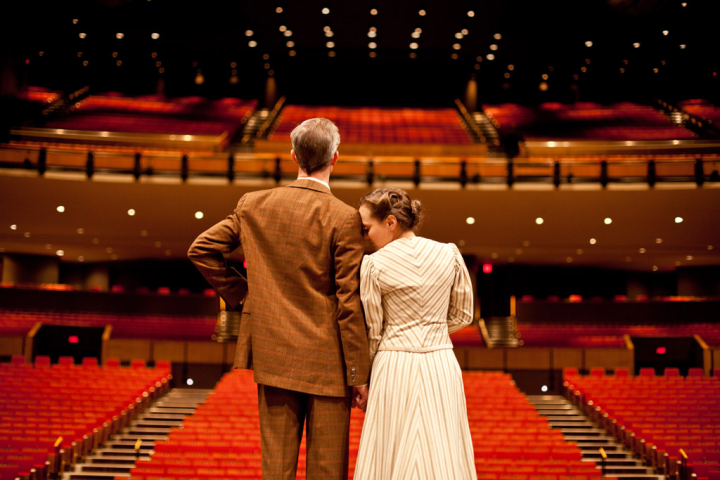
(310, 185)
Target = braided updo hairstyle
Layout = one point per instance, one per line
(394, 201)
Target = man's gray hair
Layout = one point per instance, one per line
(315, 142)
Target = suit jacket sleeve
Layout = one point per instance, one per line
(349, 251)
(207, 251)
(460, 313)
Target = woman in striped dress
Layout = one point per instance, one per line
(415, 292)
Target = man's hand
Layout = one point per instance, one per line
(360, 396)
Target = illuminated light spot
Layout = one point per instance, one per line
(539, 221)
(569, 259)
(518, 251)
(457, 46)
(422, 13)
(415, 35)
(189, 381)
(493, 47)
(490, 56)
(109, 250)
(266, 56)
(628, 259)
(60, 253)
(119, 36)
(636, 45)
(161, 70)
(544, 388)
(487, 268)
(114, 54)
(154, 36)
(507, 75)
(131, 212)
(607, 221)
(158, 244)
(60, 208)
(79, 54)
(288, 33)
(278, 10)
(48, 246)
(81, 258)
(666, 32)
(622, 70)
(678, 219)
(96, 241)
(641, 250)
(689, 258)
(497, 36)
(683, 46)
(158, 64)
(587, 61)
(372, 45)
(143, 233)
(168, 252)
(372, 29)
(413, 55)
(471, 14)
(579, 251)
(119, 63)
(655, 268)
(330, 44)
(290, 44)
(414, 46)
(479, 59)
(252, 44)
(292, 53)
(464, 31)
(27, 234)
(331, 53)
(544, 76)
(75, 21)
(470, 220)
(80, 231)
(329, 34)
(710, 247)
(249, 33)
(494, 255)
(373, 54)
(325, 11)
(372, 34)
(511, 259)
(593, 241)
(266, 66)
(82, 35)
(526, 243)
(373, 11)
(684, 4)
(454, 56)
(458, 35)
(625, 62)
(583, 69)
(588, 44)
(41, 53)
(153, 54)
(282, 28)
(511, 67)
(477, 66)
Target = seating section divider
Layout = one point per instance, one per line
(53, 415)
(222, 439)
(658, 417)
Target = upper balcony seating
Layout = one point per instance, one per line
(19, 323)
(669, 412)
(702, 109)
(586, 121)
(153, 115)
(379, 125)
(82, 404)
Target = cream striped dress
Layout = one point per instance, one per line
(415, 292)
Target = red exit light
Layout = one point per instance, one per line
(487, 268)
(73, 339)
(661, 350)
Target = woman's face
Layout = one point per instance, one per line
(379, 232)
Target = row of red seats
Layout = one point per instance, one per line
(621, 121)
(702, 109)
(655, 415)
(18, 323)
(379, 125)
(52, 415)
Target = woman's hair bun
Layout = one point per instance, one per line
(394, 201)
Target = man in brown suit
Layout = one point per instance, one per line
(302, 330)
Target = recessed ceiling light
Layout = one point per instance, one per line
(82, 35)
(372, 45)
(60, 208)
(678, 219)
(60, 253)
(330, 44)
(494, 255)
(414, 46)
(278, 10)
(493, 47)
(249, 33)
(81, 258)
(666, 33)
(464, 31)
(593, 241)
(96, 241)
(608, 221)
(27, 234)
(658, 240)
(458, 35)
(655, 268)
(471, 14)
(373, 11)
(636, 45)
(155, 36)
(709, 247)
(569, 259)
(158, 244)
(588, 44)
(143, 233)
(497, 36)
(518, 251)
(490, 56)
(282, 28)
(114, 256)
(109, 250)
(579, 251)
(539, 221)
(252, 44)
(422, 13)
(325, 11)
(131, 212)
(80, 231)
(13, 227)
(526, 243)
(470, 220)
(168, 252)
(642, 250)
(689, 257)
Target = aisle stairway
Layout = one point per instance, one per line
(502, 332)
(117, 457)
(576, 427)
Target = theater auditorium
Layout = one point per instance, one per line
(569, 149)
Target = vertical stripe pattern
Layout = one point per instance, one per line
(415, 292)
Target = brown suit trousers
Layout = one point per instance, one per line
(302, 327)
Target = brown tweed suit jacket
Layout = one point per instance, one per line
(302, 325)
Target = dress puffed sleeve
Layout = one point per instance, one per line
(371, 298)
(461, 297)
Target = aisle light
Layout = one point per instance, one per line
(189, 381)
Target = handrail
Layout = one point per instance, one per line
(484, 333)
(271, 117)
(469, 121)
(30, 340)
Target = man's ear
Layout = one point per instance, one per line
(294, 158)
(334, 160)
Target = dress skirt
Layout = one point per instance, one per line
(416, 424)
